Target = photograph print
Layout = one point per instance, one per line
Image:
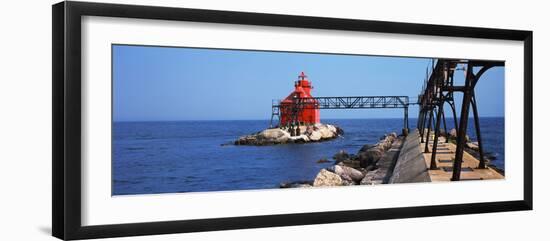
(187, 119)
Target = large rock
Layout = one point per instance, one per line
(453, 135)
(348, 182)
(383, 145)
(326, 178)
(370, 156)
(340, 156)
(247, 140)
(386, 141)
(352, 162)
(339, 131)
(326, 133)
(265, 137)
(299, 139)
(332, 128)
(274, 133)
(344, 171)
(315, 136)
(364, 148)
(372, 178)
(473, 145)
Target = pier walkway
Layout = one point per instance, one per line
(446, 153)
(413, 164)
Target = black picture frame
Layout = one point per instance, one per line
(66, 75)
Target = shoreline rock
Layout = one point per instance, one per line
(326, 178)
(275, 136)
(347, 173)
(296, 184)
(350, 169)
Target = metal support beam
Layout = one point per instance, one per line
(461, 132)
(422, 130)
(444, 123)
(275, 112)
(433, 118)
(455, 120)
(426, 150)
(418, 120)
(433, 163)
(482, 163)
(406, 122)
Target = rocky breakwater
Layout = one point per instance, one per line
(274, 136)
(364, 168)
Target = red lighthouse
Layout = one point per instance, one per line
(308, 111)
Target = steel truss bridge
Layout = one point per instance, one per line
(438, 90)
(340, 102)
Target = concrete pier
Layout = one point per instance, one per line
(413, 164)
(410, 165)
(444, 161)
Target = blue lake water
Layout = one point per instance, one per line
(187, 156)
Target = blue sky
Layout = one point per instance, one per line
(165, 83)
